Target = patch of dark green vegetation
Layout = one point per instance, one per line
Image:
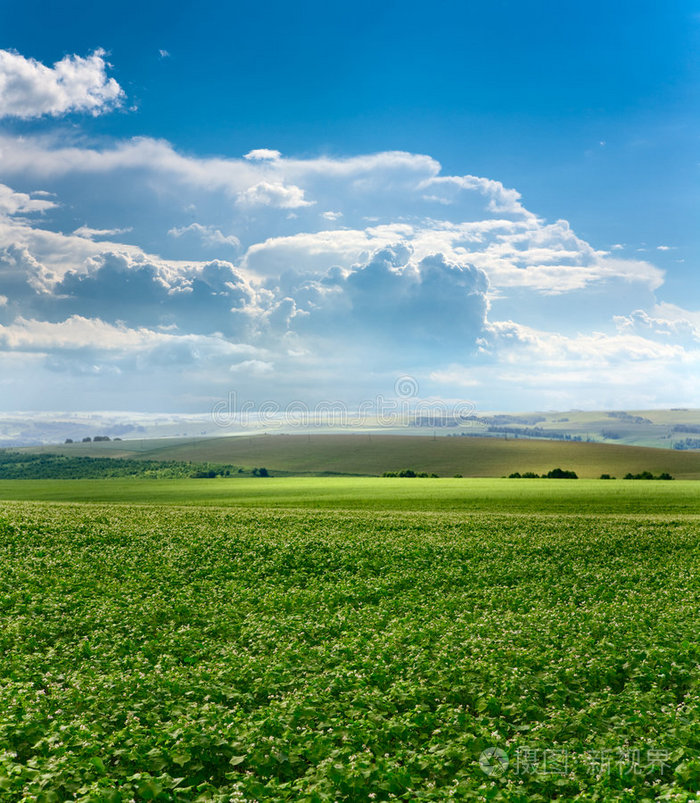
(23, 466)
(408, 472)
(647, 475)
(554, 474)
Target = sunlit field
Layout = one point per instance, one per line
(374, 493)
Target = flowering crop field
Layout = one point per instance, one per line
(183, 654)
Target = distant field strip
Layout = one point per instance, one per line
(374, 454)
(230, 655)
(374, 493)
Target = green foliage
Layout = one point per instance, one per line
(24, 465)
(561, 474)
(554, 474)
(647, 475)
(173, 655)
(409, 472)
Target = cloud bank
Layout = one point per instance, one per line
(151, 279)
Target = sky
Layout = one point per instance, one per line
(307, 202)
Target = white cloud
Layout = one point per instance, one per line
(74, 84)
(500, 199)
(273, 194)
(262, 155)
(302, 294)
(12, 203)
(209, 235)
(253, 367)
(670, 329)
(98, 234)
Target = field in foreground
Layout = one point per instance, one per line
(300, 655)
(374, 493)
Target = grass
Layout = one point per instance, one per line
(166, 654)
(373, 493)
(374, 454)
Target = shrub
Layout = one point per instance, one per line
(562, 474)
(647, 475)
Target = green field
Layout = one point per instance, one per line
(374, 454)
(202, 654)
(375, 493)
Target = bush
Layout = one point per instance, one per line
(562, 474)
(647, 475)
(606, 477)
(554, 474)
(408, 472)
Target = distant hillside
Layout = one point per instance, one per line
(374, 454)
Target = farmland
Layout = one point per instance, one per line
(373, 454)
(177, 654)
(652, 498)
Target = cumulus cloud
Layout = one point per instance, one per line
(262, 155)
(13, 203)
(274, 194)
(394, 300)
(30, 89)
(667, 329)
(447, 276)
(200, 298)
(210, 236)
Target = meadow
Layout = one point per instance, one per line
(373, 454)
(212, 654)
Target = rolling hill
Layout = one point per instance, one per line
(372, 454)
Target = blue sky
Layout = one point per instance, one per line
(307, 200)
